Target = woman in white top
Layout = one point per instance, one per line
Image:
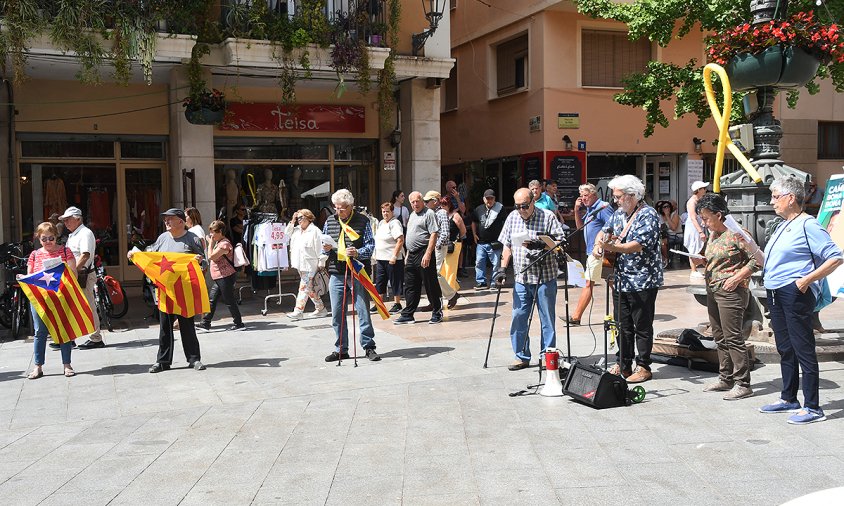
(399, 211)
(694, 236)
(305, 248)
(389, 255)
(194, 222)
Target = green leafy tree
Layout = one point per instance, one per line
(662, 21)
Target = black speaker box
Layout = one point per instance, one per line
(595, 387)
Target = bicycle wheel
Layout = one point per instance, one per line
(119, 310)
(6, 310)
(100, 297)
(18, 313)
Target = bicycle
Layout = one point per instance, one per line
(14, 306)
(106, 308)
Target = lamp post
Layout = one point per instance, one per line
(433, 13)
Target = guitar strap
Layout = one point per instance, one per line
(629, 223)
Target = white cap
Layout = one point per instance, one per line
(697, 185)
(71, 211)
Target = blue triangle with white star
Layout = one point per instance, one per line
(48, 279)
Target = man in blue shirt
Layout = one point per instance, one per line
(540, 198)
(591, 214)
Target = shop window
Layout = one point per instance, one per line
(46, 190)
(608, 56)
(354, 150)
(142, 150)
(512, 65)
(449, 90)
(67, 149)
(355, 178)
(830, 140)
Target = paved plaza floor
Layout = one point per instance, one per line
(269, 422)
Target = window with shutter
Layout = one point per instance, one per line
(511, 65)
(608, 56)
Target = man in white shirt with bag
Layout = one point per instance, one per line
(82, 244)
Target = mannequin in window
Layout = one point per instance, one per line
(294, 191)
(268, 194)
(232, 193)
(55, 195)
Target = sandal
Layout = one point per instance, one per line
(69, 373)
(35, 374)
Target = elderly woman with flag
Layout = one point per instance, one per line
(44, 292)
(349, 253)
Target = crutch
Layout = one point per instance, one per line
(492, 327)
(342, 318)
(354, 325)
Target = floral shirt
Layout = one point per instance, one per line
(725, 256)
(635, 272)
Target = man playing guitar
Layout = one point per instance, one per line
(633, 235)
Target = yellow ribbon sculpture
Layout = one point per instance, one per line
(722, 119)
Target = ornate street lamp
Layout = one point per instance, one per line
(433, 13)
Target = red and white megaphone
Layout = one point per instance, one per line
(553, 387)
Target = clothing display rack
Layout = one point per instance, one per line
(257, 218)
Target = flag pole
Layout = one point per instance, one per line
(354, 325)
(342, 318)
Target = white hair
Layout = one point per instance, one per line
(791, 184)
(343, 196)
(591, 188)
(628, 184)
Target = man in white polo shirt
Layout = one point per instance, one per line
(82, 243)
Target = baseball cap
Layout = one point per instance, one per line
(489, 193)
(697, 185)
(431, 195)
(71, 211)
(175, 211)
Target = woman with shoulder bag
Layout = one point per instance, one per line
(456, 234)
(305, 249)
(49, 255)
(220, 253)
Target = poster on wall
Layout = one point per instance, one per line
(694, 172)
(829, 216)
(531, 168)
(568, 169)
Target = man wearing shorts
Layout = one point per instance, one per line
(590, 210)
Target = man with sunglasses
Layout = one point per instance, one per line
(82, 244)
(520, 237)
(633, 234)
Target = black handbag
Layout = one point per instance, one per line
(82, 276)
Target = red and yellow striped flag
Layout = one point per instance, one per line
(345, 230)
(60, 302)
(359, 273)
(179, 280)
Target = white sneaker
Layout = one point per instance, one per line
(294, 315)
(319, 313)
(696, 275)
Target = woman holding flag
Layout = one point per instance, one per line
(349, 253)
(49, 255)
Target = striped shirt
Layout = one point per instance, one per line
(541, 222)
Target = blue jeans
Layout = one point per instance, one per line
(367, 331)
(790, 312)
(546, 299)
(484, 253)
(40, 341)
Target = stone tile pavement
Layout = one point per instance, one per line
(269, 422)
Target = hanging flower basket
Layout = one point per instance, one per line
(204, 116)
(777, 66)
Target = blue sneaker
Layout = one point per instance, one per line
(807, 415)
(781, 406)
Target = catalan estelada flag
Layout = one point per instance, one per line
(60, 302)
(179, 281)
(359, 273)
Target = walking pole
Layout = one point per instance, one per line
(354, 325)
(342, 317)
(492, 327)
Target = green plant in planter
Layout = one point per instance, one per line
(387, 75)
(21, 21)
(134, 37)
(199, 96)
(75, 28)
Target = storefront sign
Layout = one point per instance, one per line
(531, 167)
(568, 169)
(535, 123)
(389, 160)
(300, 118)
(568, 120)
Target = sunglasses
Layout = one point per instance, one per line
(48, 238)
(521, 207)
(301, 218)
